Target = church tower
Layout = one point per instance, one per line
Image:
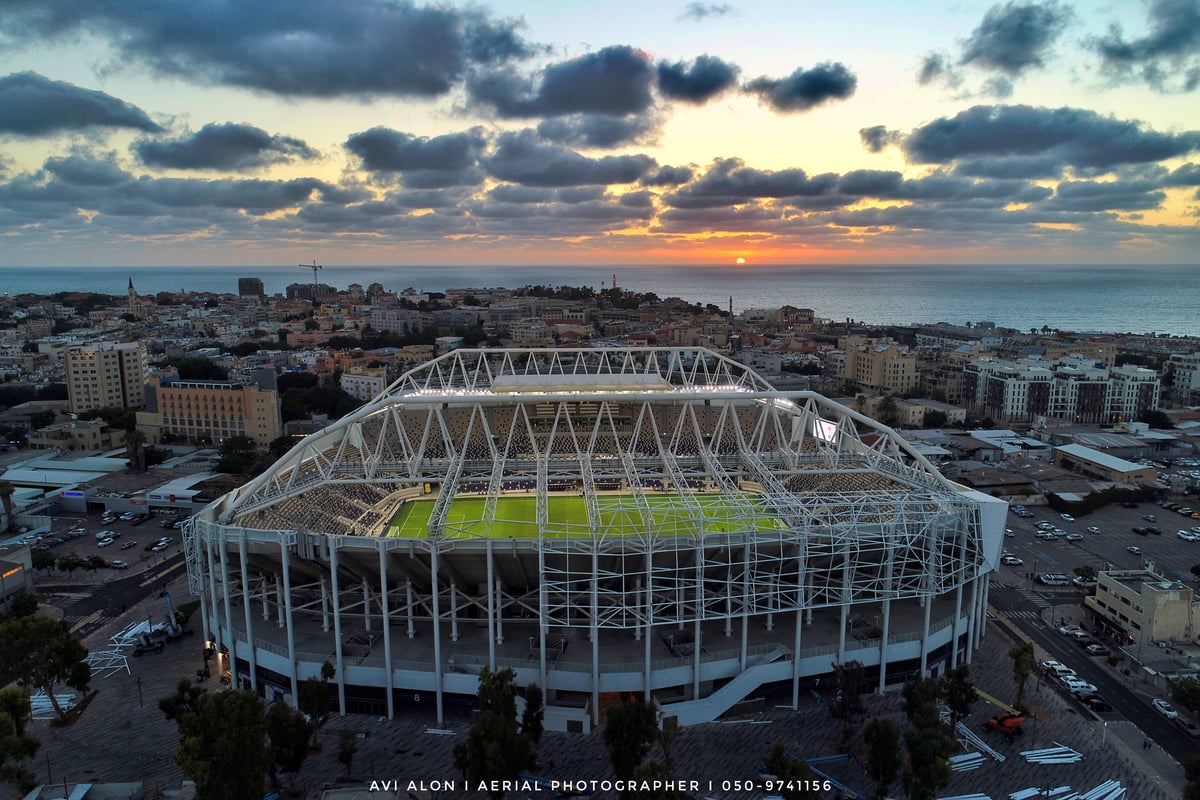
(132, 297)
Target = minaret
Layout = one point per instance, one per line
(132, 295)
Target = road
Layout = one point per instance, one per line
(1022, 609)
(102, 602)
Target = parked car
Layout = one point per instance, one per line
(1082, 582)
(128, 515)
(158, 548)
(1057, 668)
(1074, 537)
(1066, 518)
(1188, 727)
(1097, 649)
(1164, 708)
(1077, 685)
(1096, 703)
(1133, 548)
(105, 542)
(1093, 529)
(1149, 518)
(1067, 630)
(117, 563)
(128, 544)
(1011, 561)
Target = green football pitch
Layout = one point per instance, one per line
(620, 515)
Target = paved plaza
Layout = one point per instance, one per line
(123, 736)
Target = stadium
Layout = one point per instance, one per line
(649, 521)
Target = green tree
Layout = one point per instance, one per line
(314, 694)
(347, 747)
(223, 745)
(200, 369)
(928, 740)
(532, 719)
(289, 735)
(1186, 692)
(1023, 659)
(920, 694)
(882, 736)
(23, 604)
(44, 560)
(630, 728)
(849, 678)
(6, 497)
(70, 562)
(17, 745)
(786, 768)
(185, 700)
(41, 653)
(93, 563)
(959, 692)
(1195, 570)
(238, 454)
(495, 748)
(134, 446)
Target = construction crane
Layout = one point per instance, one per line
(314, 267)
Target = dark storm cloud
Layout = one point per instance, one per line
(1186, 175)
(1075, 137)
(225, 146)
(33, 105)
(287, 47)
(877, 137)
(601, 130)
(730, 182)
(1015, 37)
(805, 89)
(699, 11)
(934, 67)
(387, 150)
(1094, 196)
(84, 169)
(698, 81)
(615, 81)
(869, 183)
(1170, 49)
(1011, 167)
(522, 158)
(668, 176)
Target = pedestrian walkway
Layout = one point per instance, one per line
(1035, 597)
(1020, 614)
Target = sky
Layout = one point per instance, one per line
(382, 132)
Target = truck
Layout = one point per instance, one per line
(1008, 724)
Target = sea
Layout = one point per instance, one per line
(1162, 299)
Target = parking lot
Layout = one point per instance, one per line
(1107, 549)
(132, 543)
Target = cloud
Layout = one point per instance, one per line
(1047, 166)
(32, 105)
(1072, 136)
(84, 169)
(601, 130)
(1186, 175)
(1095, 196)
(805, 89)
(615, 80)
(668, 176)
(1015, 37)
(696, 82)
(937, 67)
(729, 181)
(387, 150)
(1169, 50)
(520, 157)
(286, 47)
(227, 146)
(699, 11)
(877, 137)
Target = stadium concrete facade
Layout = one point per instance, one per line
(652, 521)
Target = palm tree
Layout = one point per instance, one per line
(6, 496)
(134, 439)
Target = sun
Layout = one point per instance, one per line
(740, 261)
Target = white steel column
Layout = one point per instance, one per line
(594, 633)
(337, 624)
(925, 637)
(284, 551)
(956, 627)
(499, 612)
(437, 630)
(251, 657)
(214, 604)
(387, 629)
(801, 602)
(279, 600)
(453, 612)
(266, 600)
(649, 621)
(698, 632)
(491, 606)
(972, 622)
(987, 594)
(408, 591)
(745, 606)
(233, 671)
(883, 643)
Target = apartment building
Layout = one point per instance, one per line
(212, 410)
(364, 383)
(106, 375)
(878, 364)
(1074, 388)
(1143, 606)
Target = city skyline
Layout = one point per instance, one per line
(514, 133)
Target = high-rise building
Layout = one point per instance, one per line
(212, 410)
(251, 287)
(106, 375)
